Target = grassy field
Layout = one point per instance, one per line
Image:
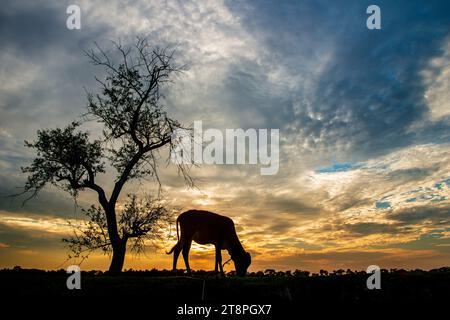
(157, 294)
(270, 286)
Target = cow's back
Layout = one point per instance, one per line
(206, 227)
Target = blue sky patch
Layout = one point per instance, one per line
(340, 167)
(382, 205)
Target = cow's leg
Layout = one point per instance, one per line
(186, 248)
(216, 264)
(176, 253)
(220, 264)
(219, 259)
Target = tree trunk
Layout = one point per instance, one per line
(118, 257)
(119, 245)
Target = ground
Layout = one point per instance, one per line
(162, 288)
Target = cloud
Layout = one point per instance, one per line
(413, 215)
(48, 202)
(23, 238)
(358, 260)
(365, 228)
(437, 81)
(369, 91)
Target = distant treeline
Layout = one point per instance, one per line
(280, 288)
(266, 273)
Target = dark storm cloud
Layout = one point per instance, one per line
(48, 202)
(290, 204)
(278, 203)
(46, 72)
(253, 94)
(350, 200)
(367, 228)
(29, 239)
(435, 240)
(439, 215)
(411, 174)
(370, 92)
(38, 28)
(402, 222)
(31, 28)
(44, 64)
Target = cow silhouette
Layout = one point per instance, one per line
(206, 227)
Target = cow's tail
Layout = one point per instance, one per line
(178, 240)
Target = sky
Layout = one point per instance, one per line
(363, 116)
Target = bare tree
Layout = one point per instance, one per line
(135, 128)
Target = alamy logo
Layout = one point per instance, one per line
(240, 146)
(374, 20)
(73, 21)
(374, 281)
(74, 280)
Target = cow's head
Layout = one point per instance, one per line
(241, 263)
